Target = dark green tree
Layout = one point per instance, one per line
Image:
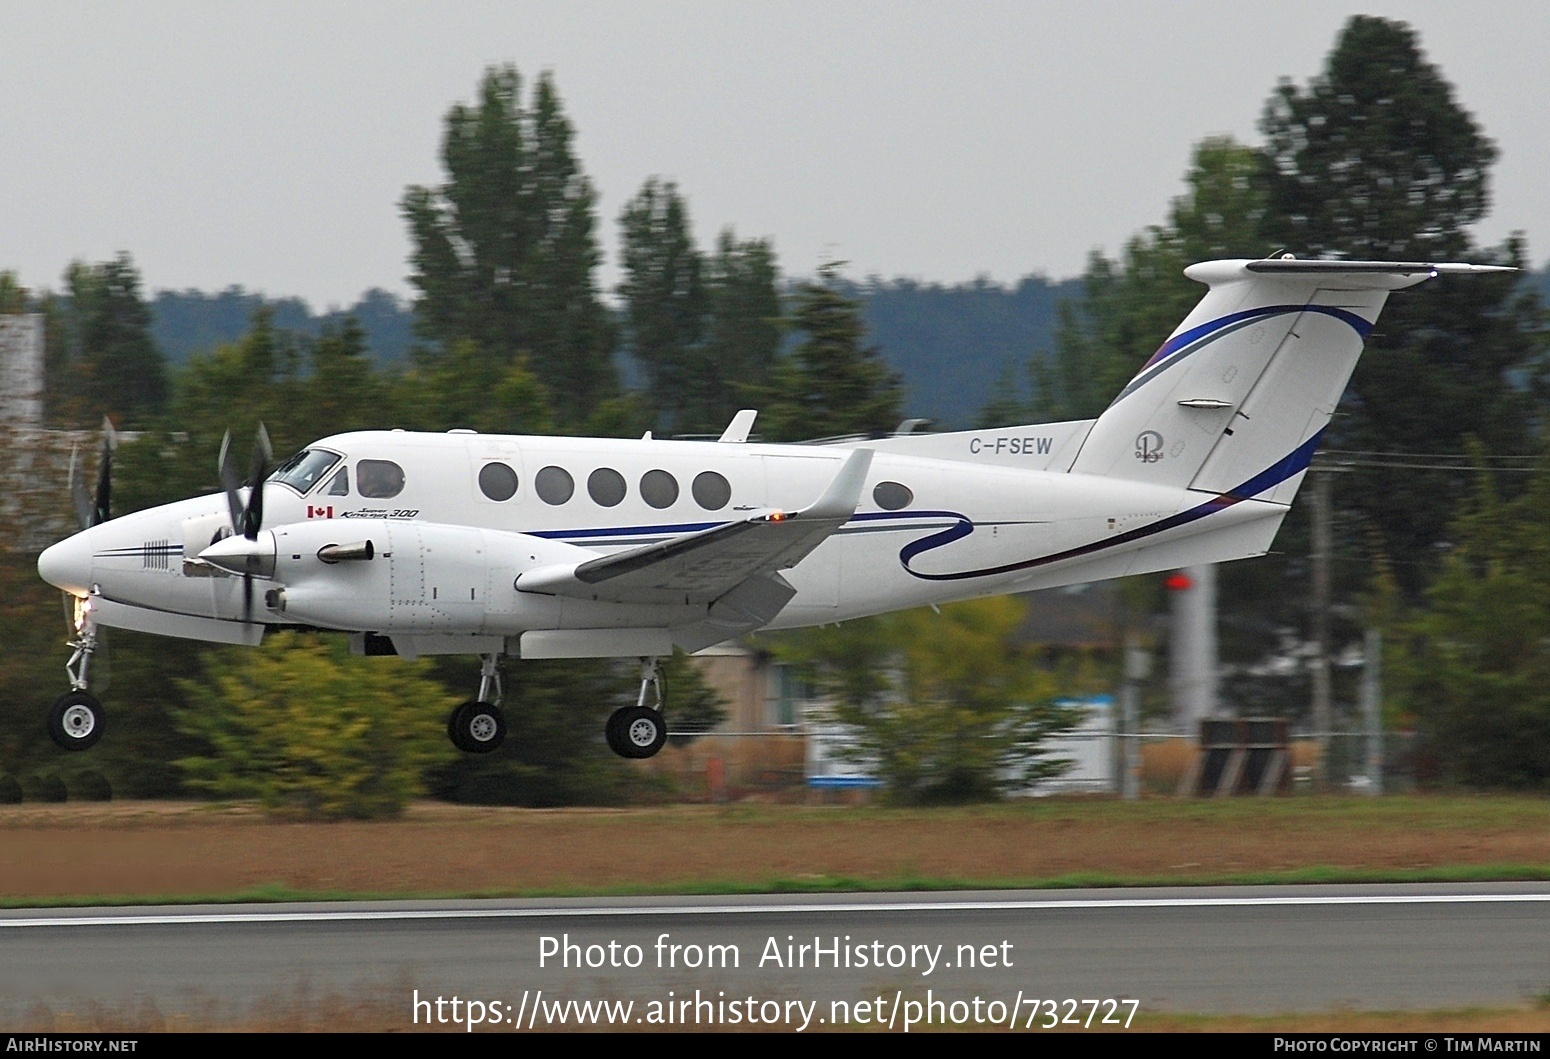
(705, 328)
(743, 336)
(663, 288)
(1376, 158)
(1472, 668)
(14, 298)
(830, 384)
(101, 360)
(505, 251)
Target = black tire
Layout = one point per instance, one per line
(477, 727)
(639, 731)
(452, 726)
(75, 721)
(614, 733)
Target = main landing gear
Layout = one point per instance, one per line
(75, 720)
(479, 727)
(639, 731)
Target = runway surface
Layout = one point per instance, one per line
(1222, 949)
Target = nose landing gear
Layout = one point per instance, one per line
(639, 731)
(75, 720)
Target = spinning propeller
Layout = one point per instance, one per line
(94, 510)
(248, 518)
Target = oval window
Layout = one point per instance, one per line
(891, 496)
(554, 485)
(497, 481)
(711, 490)
(659, 488)
(606, 486)
(379, 479)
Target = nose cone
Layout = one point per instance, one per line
(67, 565)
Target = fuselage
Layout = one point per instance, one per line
(456, 518)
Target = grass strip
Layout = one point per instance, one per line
(275, 893)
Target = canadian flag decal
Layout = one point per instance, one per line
(320, 512)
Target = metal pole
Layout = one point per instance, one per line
(1137, 664)
(1321, 692)
(1372, 708)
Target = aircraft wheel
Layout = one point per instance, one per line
(636, 732)
(614, 734)
(75, 721)
(477, 727)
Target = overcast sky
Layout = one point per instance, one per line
(267, 144)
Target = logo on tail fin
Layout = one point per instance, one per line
(1149, 446)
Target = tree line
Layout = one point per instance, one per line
(1374, 157)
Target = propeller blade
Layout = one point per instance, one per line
(102, 508)
(229, 482)
(80, 499)
(247, 598)
(263, 455)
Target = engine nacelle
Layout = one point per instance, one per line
(426, 577)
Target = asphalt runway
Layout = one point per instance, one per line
(1219, 949)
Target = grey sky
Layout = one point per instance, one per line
(267, 144)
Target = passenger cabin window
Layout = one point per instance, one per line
(711, 490)
(554, 485)
(659, 489)
(497, 481)
(340, 486)
(303, 470)
(379, 479)
(606, 486)
(891, 496)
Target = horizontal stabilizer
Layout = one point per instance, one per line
(1293, 267)
(1237, 396)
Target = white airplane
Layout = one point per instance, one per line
(567, 547)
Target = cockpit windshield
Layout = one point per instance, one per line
(302, 471)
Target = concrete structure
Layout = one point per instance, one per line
(21, 371)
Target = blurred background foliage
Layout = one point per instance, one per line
(508, 332)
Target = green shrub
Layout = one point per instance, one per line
(310, 731)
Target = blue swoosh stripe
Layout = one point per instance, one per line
(622, 531)
(1274, 475)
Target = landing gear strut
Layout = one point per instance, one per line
(639, 731)
(75, 720)
(479, 727)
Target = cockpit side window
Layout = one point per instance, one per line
(340, 486)
(379, 479)
(302, 471)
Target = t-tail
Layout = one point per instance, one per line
(1235, 401)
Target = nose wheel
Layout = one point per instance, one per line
(75, 721)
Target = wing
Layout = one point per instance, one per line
(707, 566)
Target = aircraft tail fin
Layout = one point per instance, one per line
(1234, 402)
